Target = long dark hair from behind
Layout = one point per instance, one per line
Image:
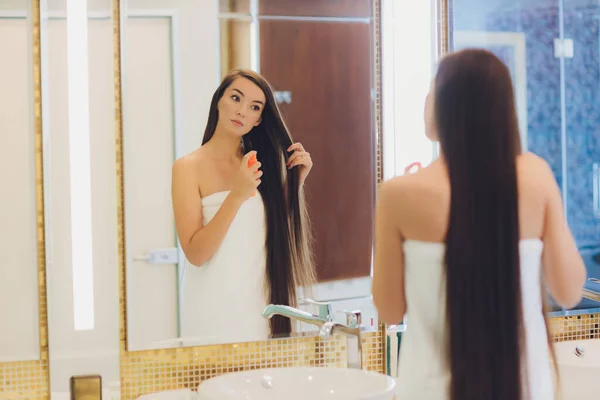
(479, 136)
(289, 238)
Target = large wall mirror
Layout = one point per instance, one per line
(320, 59)
(23, 341)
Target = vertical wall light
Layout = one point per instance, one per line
(254, 37)
(80, 168)
(413, 60)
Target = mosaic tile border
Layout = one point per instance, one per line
(378, 101)
(165, 369)
(31, 379)
(575, 327)
(168, 369)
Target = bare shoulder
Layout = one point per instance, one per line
(532, 160)
(407, 192)
(187, 171)
(393, 190)
(190, 163)
(534, 171)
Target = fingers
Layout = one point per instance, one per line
(258, 174)
(248, 155)
(294, 156)
(299, 158)
(254, 167)
(296, 146)
(301, 155)
(412, 166)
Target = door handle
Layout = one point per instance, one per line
(596, 188)
(283, 97)
(159, 256)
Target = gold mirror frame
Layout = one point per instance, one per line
(166, 369)
(31, 379)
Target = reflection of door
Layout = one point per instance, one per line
(327, 68)
(148, 156)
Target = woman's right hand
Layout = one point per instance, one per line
(247, 178)
(411, 166)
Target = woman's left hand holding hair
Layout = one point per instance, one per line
(300, 158)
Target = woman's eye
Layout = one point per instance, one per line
(256, 108)
(235, 97)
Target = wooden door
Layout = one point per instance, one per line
(327, 67)
(315, 8)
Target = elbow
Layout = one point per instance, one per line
(196, 263)
(387, 312)
(570, 297)
(571, 300)
(391, 318)
(193, 258)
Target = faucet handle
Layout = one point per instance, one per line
(323, 307)
(353, 318)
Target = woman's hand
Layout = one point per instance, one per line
(410, 166)
(300, 158)
(247, 178)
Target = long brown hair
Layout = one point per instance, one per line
(479, 135)
(289, 239)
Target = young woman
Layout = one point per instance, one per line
(462, 246)
(240, 215)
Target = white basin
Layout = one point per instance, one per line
(182, 394)
(579, 374)
(299, 383)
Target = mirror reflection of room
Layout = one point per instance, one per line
(223, 245)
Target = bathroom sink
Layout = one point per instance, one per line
(182, 394)
(299, 383)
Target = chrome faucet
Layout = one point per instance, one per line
(327, 328)
(323, 316)
(591, 294)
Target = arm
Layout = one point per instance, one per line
(564, 269)
(388, 270)
(199, 242)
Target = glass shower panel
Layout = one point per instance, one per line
(522, 35)
(580, 50)
(552, 49)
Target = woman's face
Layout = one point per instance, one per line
(430, 124)
(241, 106)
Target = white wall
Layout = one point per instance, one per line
(19, 312)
